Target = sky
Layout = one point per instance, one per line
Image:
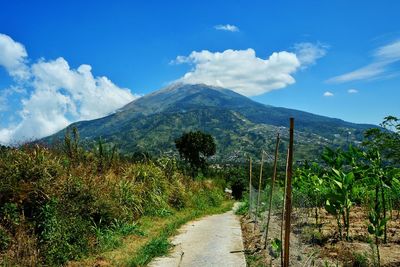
(65, 61)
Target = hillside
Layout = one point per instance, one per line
(239, 124)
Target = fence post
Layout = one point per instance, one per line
(288, 204)
(283, 205)
(250, 189)
(259, 183)
(272, 189)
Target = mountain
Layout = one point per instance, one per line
(240, 125)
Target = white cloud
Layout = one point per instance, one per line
(308, 53)
(61, 95)
(383, 57)
(352, 91)
(5, 136)
(13, 57)
(390, 52)
(242, 71)
(328, 94)
(227, 27)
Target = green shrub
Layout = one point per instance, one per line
(243, 208)
(62, 238)
(5, 239)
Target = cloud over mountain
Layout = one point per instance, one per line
(59, 94)
(244, 72)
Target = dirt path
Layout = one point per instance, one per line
(207, 242)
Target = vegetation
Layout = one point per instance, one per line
(345, 199)
(238, 125)
(195, 148)
(62, 204)
(368, 175)
(158, 244)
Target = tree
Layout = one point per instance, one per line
(386, 139)
(195, 148)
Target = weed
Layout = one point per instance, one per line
(360, 260)
(5, 239)
(243, 208)
(156, 247)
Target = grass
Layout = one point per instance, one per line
(58, 207)
(138, 250)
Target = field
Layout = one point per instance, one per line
(309, 247)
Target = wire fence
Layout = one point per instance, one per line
(279, 216)
(270, 235)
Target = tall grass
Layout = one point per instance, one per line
(60, 205)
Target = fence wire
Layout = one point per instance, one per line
(301, 253)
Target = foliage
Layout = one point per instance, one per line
(386, 140)
(68, 203)
(309, 181)
(367, 175)
(237, 123)
(237, 179)
(195, 148)
(360, 260)
(339, 198)
(276, 247)
(243, 208)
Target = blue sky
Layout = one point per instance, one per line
(305, 55)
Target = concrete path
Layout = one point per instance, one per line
(207, 242)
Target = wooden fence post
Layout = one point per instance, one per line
(283, 205)
(288, 204)
(250, 189)
(272, 189)
(259, 183)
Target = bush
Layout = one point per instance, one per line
(5, 239)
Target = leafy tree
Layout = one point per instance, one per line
(237, 177)
(195, 148)
(386, 139)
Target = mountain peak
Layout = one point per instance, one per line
(181, 96)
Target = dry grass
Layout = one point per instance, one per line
(64, 209)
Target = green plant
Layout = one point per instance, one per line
(376, 226)
(10, 214)
(106, 155)
(194, 148)
(71, 145)
(276, 247)
(243, 208)
(360, 260)
(156, 247)
(386, 140)
(111, 237)
(309, 181)
(339, 198)
(5, 239)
